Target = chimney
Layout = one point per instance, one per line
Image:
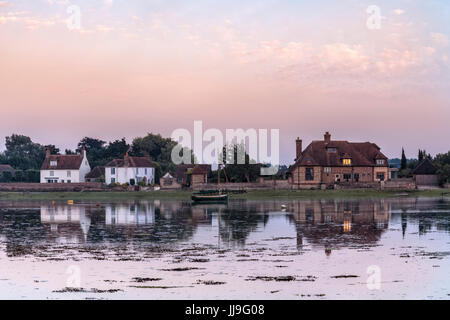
(47, 152)
(83, 152)
(327, 137)
(126, 159)
(298, 144)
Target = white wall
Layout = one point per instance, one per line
(61, 175)
(124, 175)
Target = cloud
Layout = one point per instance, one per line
(439, 39)
(399, 11)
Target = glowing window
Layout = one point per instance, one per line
(347, 162)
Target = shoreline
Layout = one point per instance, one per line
(249, 195)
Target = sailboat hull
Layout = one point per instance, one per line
(208, 198)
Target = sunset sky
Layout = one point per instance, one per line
(304, 67)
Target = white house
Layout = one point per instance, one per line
(64, 168)
(129, 170)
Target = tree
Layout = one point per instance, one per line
(158, 148)
(53, 149)
(95, 150)
(442, 164)
(238, 165)
(116, 149)
(22, 153)
(403, 162)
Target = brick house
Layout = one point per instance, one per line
(189, 175)
(327, 162)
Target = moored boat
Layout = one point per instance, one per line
(208, 197)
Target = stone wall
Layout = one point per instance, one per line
(403, 184)
(51, 187)
(260, 185)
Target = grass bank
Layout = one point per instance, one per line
(251, 195)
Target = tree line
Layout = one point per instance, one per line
(26, 156)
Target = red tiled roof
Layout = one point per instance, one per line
(96, 173)
(201, 169)
(63, 162)
(181, 171)
(133, 162)
(361, 153)
(425, 167)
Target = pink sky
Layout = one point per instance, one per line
(300, 68)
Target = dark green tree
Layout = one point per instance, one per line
(403, 162)
(22, 153)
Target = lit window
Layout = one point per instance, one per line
(347, 162)
(53, 163)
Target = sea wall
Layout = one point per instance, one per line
(51, 187)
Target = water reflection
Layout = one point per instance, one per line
(332, 224)
(323, 224)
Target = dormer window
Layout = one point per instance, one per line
(347, 162)
(53, 163)
(380, 161)
(332, 150)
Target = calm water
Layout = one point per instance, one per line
(328, 249)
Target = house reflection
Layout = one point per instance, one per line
(131, 214)
(66, 223)
(333, 224)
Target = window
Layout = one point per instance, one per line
(380, 161)
(62, 181)
(113, 170)
(52, 173)
(308, 160)
(113, 180)
(69, 173)
(356, 177)
(331, 149)
(380, 176)
(69, 181)
(53, 163)
(327, 169)
(347, 176)
(347, 161)
(309, 174)
(137, 170)
(146, 171)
